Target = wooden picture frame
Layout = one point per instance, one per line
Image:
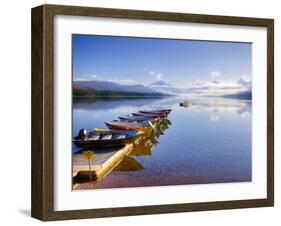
(43, 112)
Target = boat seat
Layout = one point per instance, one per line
(95, 137)
(119, 136)
(106, 137)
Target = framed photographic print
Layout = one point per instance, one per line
(141, 112)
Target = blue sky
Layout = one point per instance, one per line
(182, 63)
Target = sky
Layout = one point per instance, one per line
(181, 63)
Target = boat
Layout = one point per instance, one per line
(149, 115)
(162, 111)
(138, 119)
(184, 104)
(119, 125)
(105, 138)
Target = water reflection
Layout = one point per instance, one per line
(128, 164)
(220, 105)
(217, 106)
(207, 142)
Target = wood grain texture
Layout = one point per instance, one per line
(42, 203)
(37, 159)
(270, 111)
(43, 111)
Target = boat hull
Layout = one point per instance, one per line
(154, 121)
(87, 143)
(103, 143)
(124, 126)
(165, 111)
(149, 115)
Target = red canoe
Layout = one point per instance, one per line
(125, 125)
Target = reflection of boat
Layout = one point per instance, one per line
(144, 147)
(128, 164)
(184, 104)
(147, 142)
(105, 138)
(141, 150)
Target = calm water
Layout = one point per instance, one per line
(207, 142)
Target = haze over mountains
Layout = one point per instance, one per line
(160, 87)
(164, 87)
(112, 86)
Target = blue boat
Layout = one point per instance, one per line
(105, 138)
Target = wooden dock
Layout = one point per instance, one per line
(105, 160)
(118, 159)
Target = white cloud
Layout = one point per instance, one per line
(157, 75)
(215, 73)
(246, 78)
(246, 81)
(219, 87)
(120, 81)
(86, 78)
(126, 82)
(81, 79)
(98, 78)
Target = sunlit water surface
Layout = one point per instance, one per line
(207, 142)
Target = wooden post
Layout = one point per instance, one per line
(88, 155)
(89, 164)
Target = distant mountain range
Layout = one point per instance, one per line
(107, 88)
(245, 95)
(159, 88)
(113, 86)
(164, 87)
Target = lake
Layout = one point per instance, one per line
(207, 142)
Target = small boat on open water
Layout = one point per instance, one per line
(184, 104)
(105, 138)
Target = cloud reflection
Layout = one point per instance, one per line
(218, 106)
(215, 106)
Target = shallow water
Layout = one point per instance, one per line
(207, 142)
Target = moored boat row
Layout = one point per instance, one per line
(121, 132)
